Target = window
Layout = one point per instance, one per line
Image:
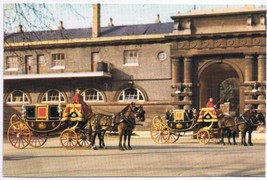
(95, 59)
(53, 96)
(41, 64)
(92, 95)
(12, 63)
(58, 61)
(130, 58)
(18, 97)
(131, 94)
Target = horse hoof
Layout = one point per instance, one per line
(94, 148)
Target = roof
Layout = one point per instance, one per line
(142, 29)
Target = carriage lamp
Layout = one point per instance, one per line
(178, 90)
(59, 108)
(23, 109)
(254, 90)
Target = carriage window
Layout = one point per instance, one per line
(131, 94)
(30, 113)
(53, 113)
(18, 97)
(58, 61)
(130, 58)
(53, 96)
(12, 63)
(92, 95)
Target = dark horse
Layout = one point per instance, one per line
(247, 122)
(123, 122)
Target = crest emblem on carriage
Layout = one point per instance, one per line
(208, 116)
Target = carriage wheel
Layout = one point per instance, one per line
(69, 139)
(216, 140)
(84, 140)
(19, 135)
(174, 136)
(38, 139)
(14, 118)
(159, 133)
(203, 136)
(157, 120)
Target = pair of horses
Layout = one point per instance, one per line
(123, 122)
(245, 123)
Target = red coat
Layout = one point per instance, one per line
(78, 99)
(209, 104)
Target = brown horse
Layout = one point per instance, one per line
(123, 122)
(247, 122)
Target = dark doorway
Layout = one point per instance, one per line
(210, 80)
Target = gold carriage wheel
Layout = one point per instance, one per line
(38, 139)
(19, 135)
(84, 140)
(159, 133)
(14, 118)
(174, 136)
(69, 139)
(157, 119)
(203, 136)
(216, 140)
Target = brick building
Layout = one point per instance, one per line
(148, 63)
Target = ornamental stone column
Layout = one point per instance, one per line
(248, 67)
(187, 70)
(176, 71)
(261, 68)
(187, 80)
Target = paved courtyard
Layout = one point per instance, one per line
(185, 158)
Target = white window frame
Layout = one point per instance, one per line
(57, 97)
(13, 65)
(130, 58)
(124, 97)
(13, 98)
(97, 97)
(58, 61)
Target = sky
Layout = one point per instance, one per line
(79, 14)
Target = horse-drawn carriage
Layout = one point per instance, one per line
(169, 128)
(38, 120)
(76, 126)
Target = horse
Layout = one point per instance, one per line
(226, 123)
(250, 124)
(247, 122)
(123, 122)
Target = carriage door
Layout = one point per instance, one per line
(41, 64)
(29, 65)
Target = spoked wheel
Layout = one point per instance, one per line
(203, 136)
(84, 140)
(216, 140)
(69, 139)
(157, 120)
(38, 139)
(19, 135)
(14, 118)
(159, 133)
(174, 136)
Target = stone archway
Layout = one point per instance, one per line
(210, 79)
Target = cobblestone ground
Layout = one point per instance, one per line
(185, 158)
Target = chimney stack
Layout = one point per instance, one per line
(110, 24)
(60, 27)
(20, 29)
(158, 20)
(96, 21)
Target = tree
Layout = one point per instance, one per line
(33, 16)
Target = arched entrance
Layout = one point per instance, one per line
(212, 78)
